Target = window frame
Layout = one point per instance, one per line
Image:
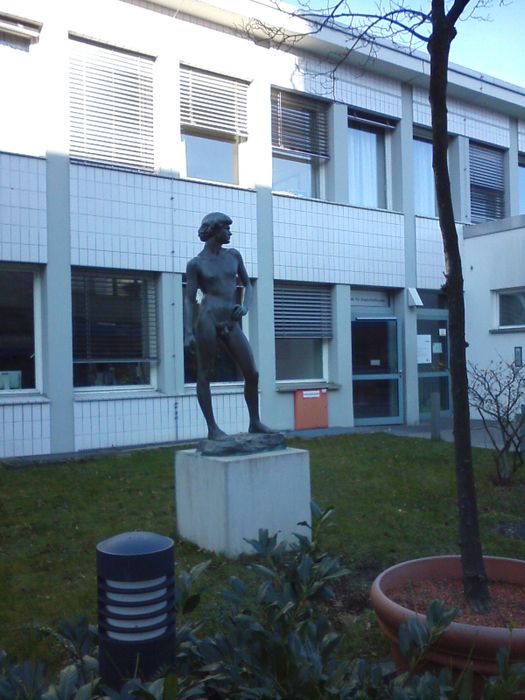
(310, 299)
(498, 294)
(487, 181)
(228, 97)
(37, 328)
(152, 304)
(300, 134)
(130, 141)
(381, 127)
(521, 183)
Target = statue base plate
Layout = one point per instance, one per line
(221, 500)
(242, 443)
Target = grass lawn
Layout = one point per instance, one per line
(394, 500)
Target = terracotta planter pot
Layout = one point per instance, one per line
(461, 643)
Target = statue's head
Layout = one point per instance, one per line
(210, 222)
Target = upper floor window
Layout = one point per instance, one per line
(366, 159)
(303, 326)
(424, 187)
(299, 142)
(17, 329)
(487, 183)
(114, 327)
(511, 308)
(213, 110)
(521, 182)
(18, 33)
(111, 105)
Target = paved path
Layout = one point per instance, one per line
(422, 430)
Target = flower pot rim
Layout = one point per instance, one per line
(504, 634)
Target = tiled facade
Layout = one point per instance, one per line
(59, 214)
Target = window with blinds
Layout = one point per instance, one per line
(299, 124)
(114, 327)
(212, 103)
(299, 141)
(487, 183)
(303, 324)
(111, 106)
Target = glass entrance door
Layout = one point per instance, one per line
(433, 364)
(376, 372)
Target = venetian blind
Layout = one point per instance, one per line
(212, 102)
(302, 311)
(299, 124)
(114, 316)
(487, 183)
(111, 106)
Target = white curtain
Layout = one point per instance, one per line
(424, 189)
(363, 168)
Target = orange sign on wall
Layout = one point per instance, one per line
(311, 409)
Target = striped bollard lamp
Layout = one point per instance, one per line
(136, 606)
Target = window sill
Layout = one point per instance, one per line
(21, 397)
(507, 329)
(114, 393)
(217, 388)
(290, 387)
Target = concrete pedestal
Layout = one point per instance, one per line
(222, 500)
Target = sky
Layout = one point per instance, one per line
(494, 47)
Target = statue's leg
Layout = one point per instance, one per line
(206, 341)
(240, 349)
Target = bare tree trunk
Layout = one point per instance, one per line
(474, 577)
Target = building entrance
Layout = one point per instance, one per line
(376, 371)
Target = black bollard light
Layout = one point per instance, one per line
(136, 606)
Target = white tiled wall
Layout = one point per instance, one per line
(321, 242)
(147, 222)
(24, 429)
(114, 422)
(429, 254)
(466, 120)
(23, 223)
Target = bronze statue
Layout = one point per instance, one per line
(216, 271)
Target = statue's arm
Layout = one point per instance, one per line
(242, 309)
(190, 302)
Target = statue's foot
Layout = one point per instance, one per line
(217, 434)
(258, 427)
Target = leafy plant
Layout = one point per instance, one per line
(497, 393)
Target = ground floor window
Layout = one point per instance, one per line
(17, 329)
(511, 308)
(303, 327)
(114, 327)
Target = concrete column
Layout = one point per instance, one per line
(168, 144)
(57, 333)
(171, 375)
(337, 166)
(256, 168)
(403, 198)
(512, 200)
(340, 402)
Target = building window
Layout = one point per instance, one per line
(299, 142)
(111, 106)
(18, 33)
(511, 308)
(213, 110)
(487, 183)
(114, 328)
(17, 329)
(521, 182)
(424, 187)
(366, 159)
(303, 326)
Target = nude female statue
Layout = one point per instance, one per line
(216, 271)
